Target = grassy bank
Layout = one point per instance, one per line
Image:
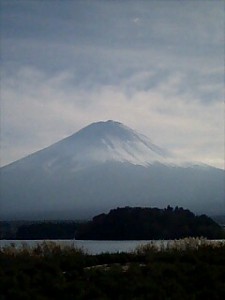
(186, 269)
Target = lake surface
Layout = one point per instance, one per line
(97, 247)
(92, 247)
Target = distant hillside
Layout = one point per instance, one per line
(219, 219)
(47, 231)
(38, 230)
(149, 223)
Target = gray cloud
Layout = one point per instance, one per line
(157, 66)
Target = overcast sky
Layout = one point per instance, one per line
(156, 66)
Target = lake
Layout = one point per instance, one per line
(92, 247)
(97, 247)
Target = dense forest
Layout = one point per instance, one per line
(196, 271)
(119, 224)
(149, 223)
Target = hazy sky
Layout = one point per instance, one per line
(156, 66)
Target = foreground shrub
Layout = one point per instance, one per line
(186, 269)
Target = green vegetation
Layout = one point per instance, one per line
(119, 224)
(188, 269)
(149, 224)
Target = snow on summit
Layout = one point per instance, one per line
(98, 143)
(103, 142)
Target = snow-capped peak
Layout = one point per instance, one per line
(107, 141)
(78, 175)
(100, 142)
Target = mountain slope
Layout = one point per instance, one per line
(97, 143)
(103, 166)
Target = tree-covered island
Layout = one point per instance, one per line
(128, 223)
(136, 223)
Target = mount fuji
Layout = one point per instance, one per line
(103, 166)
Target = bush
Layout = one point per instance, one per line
(186, 269)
